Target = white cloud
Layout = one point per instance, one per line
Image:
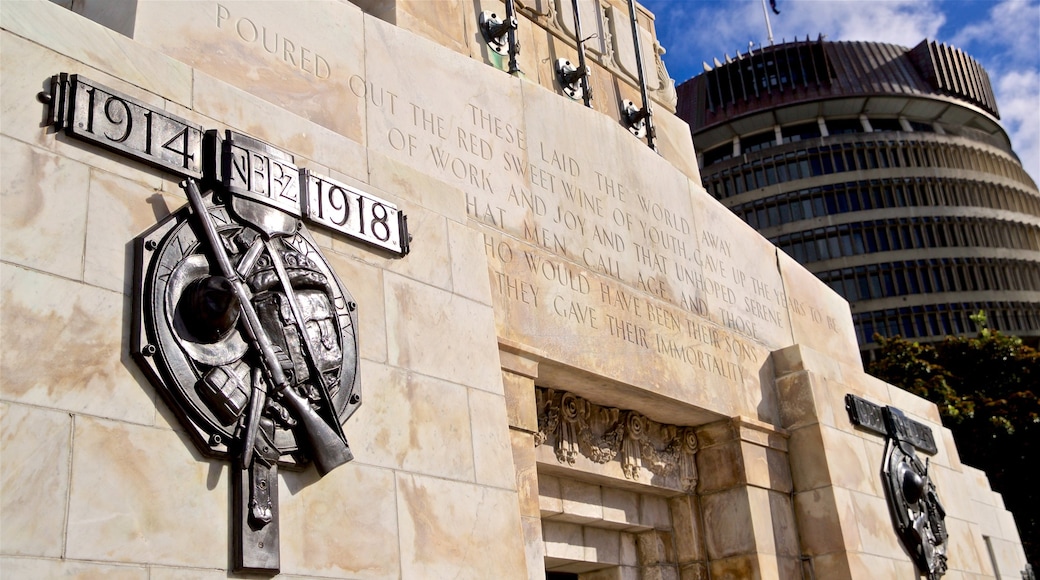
(902, 22)
(1011, 31)
(1006, 46)
(1018, 96)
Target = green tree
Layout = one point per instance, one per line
(986, 387)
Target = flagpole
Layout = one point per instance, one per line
(769, 28)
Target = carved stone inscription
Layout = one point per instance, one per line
(584, 229)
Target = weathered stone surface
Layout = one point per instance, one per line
(526, 473)
(410, 421)
(820, 318)
(44, 210)
(298, 63)
(441, 521)
(31, 568)
(119, 511)
(440, 334)
(85, 364)
(342, 525)
(34, 482)
(520, 401)
(728, 523)
(492, 460)
(98, 47)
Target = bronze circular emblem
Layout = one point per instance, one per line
(276, 371)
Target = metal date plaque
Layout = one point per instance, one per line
(353, 212)
(106, 117)
(245, 166)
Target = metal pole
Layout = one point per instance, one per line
(514, 44)
(586, 91)
(769, 28)
(646, 112)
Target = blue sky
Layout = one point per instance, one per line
(1003, 35)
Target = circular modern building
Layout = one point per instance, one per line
(885, 172)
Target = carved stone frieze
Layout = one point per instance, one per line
(573, 426)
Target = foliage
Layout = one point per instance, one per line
(986, 388)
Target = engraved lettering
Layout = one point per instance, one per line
(627, 331)
(576, 311)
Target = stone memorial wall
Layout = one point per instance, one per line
(585, 363)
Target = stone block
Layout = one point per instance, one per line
(255, 48)
(782, 528)
(818, 521)
(365, 284)
(118, 211)
(429, 231)
(848, 462)
(719, 467)
(799, 357)
(820, 318)
(416, 187)
(693, 571)
(492, 447)
(620, 508)
(34, 482)
(756, 464)
(549, 501)
(654, 512)
(686, 526)
(873, 523)
(119, 511)
(69, 352)
(967, 550)
(45, 204)
(466, 247)
(22, 114)
(675, 143)
(534, 547)
(161, 573)
(629, 551)
(834, 565)
(603, 546)
(526, 472)
(33, 568)
(797, 401)
(442, 335)
(869, 567)
(217, 98)
(729, 527)
(809, 461)
(95, 46)
(440, 520)
(563, 540)
(520, 401)
(406, 422)
(451, 121)
(717, 433)
(344, 524)
(582, 502)
(736, 567)
(655, 547)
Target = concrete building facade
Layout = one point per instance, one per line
(884, 171)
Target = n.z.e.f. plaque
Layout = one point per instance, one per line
(239, 320)
(248, 333)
